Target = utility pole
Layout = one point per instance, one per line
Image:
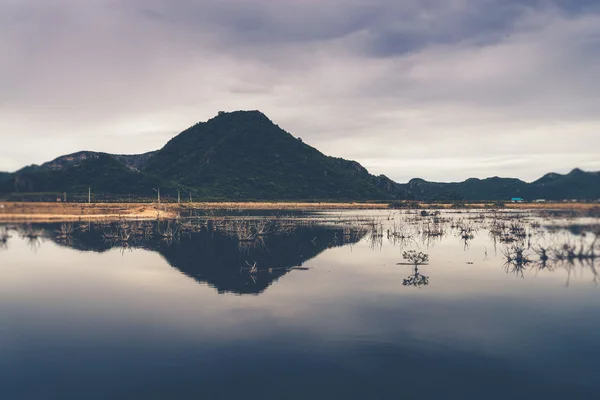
(178, 198)
(89, 195)
(158, 191)
(65, 197)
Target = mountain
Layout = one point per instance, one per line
(577, 184)
(134, 162)
(472, 189)
(104, 172)
(243, 155)
(240, 155)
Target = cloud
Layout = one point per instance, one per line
(443, 90)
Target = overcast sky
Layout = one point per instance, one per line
(438, 89)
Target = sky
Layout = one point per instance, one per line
(437, 89)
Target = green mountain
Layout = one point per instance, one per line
(134, 162)
(472, 189)
(105, 173)
(577, 184)
(243, 155)
(240, 155)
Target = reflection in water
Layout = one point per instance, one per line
(243, 257)
(526, 244)
(246, 254)
(416, 279)
(133, 327)
(466, 233)
(415, 258)
(4, 236)
(219, 260)
(516, 259)
(567, 256)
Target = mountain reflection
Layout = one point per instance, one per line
(218, 260)
(246, 254)
(233, 257)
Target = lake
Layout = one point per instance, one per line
(324, 305)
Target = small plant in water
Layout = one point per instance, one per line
(516, 260)
(414, 257)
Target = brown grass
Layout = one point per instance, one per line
(43, 212)
(553, 206)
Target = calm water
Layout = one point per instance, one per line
(177, 311)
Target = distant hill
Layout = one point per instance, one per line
(242, 155)
(577, 184)
(5, 180)
(134, 162)
(472, 189)
(105, 173)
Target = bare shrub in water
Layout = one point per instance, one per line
(415, 258)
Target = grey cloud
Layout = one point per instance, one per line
(442, 89)
(394, 27)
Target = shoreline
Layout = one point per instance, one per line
(64, 212)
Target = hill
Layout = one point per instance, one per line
(134, 162)
(240, 155)
(105, 173)
(472, 189)
(577, 184)
(243, 155)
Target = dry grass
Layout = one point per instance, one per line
(553, 206)
(43, 212)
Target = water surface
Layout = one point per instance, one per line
(303, 306)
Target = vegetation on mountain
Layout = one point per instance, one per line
(134, 161)
(235, 156)
(577, 184)
(243, 155)
(472, 189)
(103, 172)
